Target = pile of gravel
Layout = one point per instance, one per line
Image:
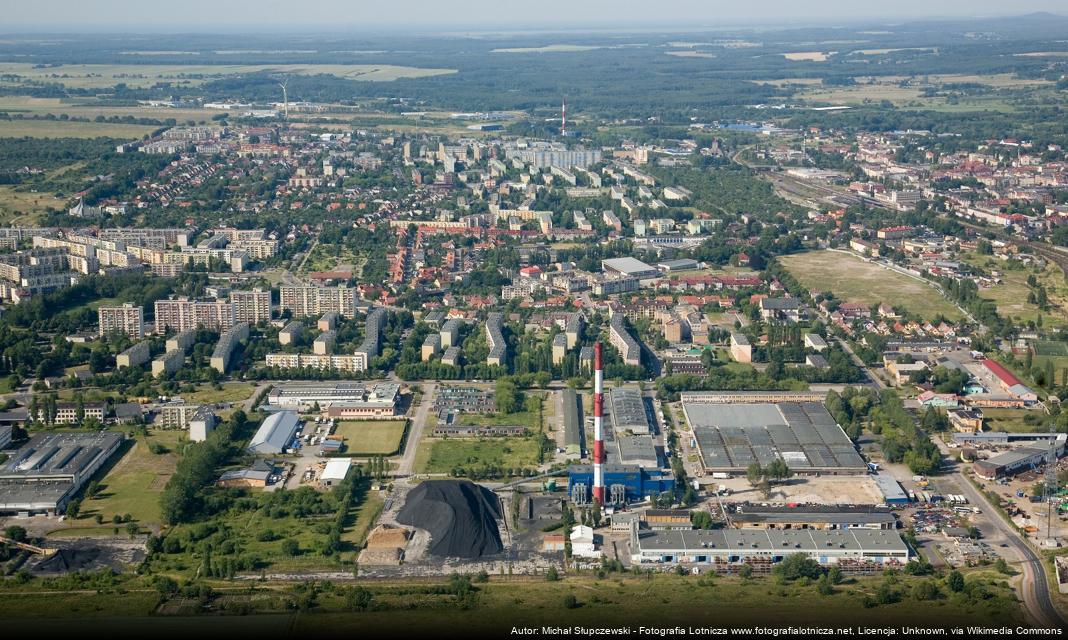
(460, 515)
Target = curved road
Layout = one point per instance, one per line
(1035, 585)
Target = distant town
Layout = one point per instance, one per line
(265, 357)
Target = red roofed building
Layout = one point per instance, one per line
(1010, 383)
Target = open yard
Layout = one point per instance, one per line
(21, 207)
(855, 280)
(134, 484)
(1011, 294)
(371, 437)
(442, 456)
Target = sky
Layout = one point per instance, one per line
(518, 15)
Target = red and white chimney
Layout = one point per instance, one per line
(598, 427)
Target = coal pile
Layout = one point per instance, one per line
(460, 515)
(68, 560)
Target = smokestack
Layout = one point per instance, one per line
(598, 427)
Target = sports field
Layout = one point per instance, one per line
(852, 279)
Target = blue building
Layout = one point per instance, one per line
(637, 483)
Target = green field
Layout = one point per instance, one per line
(1011, 420)
(71, 129)
(1011, 294)
(528, 419)
(500, 604)
(443, 456)
(136, 481)
(852, 279)
(371, 437)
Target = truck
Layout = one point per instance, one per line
(719, 475)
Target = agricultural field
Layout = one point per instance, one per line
(442, 456)
(852, 279)
(133, 485)
(72, 129)
(147, 75)
(87, 108)
(371, 437)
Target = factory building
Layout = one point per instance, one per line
(50, 469)
(574, 435)
(731, 436)
(628, 411)
(820, 517)
(629, 267)
(623, 483)
(1018, 460)
(727, 549)
(275, 434)
(357, 399)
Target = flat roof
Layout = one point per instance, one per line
(788, 541)
(626, 265)
(336, 469)
(628, 410)
(733, 436)
(59, 455)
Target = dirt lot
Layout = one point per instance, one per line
(824, 490)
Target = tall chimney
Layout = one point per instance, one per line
(598, 427)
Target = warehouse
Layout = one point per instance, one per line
(1012, 462)
(574, 438)
(625, 483)
(637, 450)
(376, 400)
(724, 548)
(335, 472)
(730, 437)
(46, 472)
(275, 434)
(628, 411)
(755, 516)
(892, 492)
(629, 267)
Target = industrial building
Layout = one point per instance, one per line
(1022, 459)
(628, 411)
(892, 492)
(629, 267)
(637, 450)
(726, 548)
(46, 472)
(730, 437)
(275, 434)
(574, 435)
(623, 483)
(756, 516)
(368, 400)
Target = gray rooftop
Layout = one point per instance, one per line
(733, 436)
(275, 433)
(788, 541)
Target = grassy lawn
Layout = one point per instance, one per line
(375, 437)
(366, 514)
(853, 280)
(330, 257)
(498, 605)
(230, 392)
(71, 129)
(507, 453)
(528, 419)
(136, 481)
(1010, 420)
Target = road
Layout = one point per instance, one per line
(875, 381)
(1034, 586)
(415, 434)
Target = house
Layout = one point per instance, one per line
(966, 420)
(932, 399)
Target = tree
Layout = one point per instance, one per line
(955, 581)
(552, 575)
(290, 547)
(754, 473)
